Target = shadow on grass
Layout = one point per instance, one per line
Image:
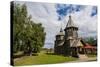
(62, 55)
(21, 55)
(18, 56)
(50, 53)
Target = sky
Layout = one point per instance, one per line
(54, 16)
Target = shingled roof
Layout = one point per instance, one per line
(70, 23)
(61, 32)
(77, 43)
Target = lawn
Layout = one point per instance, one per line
(91, 55)
(42, 58)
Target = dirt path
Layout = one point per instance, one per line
(85, 60)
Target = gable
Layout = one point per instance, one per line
(77, 43)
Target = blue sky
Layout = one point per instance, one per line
(54, 16)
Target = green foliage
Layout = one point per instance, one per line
(26, 33)
(91, 41)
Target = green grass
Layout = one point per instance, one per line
(91, 55)
(42, 58)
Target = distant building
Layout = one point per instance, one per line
(69, 44)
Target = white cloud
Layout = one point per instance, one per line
(47, 15)
(87, 24)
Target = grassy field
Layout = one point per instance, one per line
(42, 58)
(91, 55)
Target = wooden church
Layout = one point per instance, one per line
(68, 43)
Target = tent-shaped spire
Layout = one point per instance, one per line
(70, 23)
(61, 32)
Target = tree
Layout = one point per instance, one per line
(91, 41)
(27, 34)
